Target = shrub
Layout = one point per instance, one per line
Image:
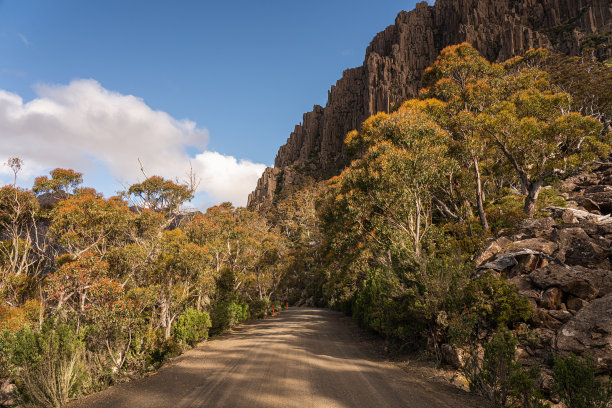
(496, 301)
(505, 212)
(50, 365)
(499, 378)
(260, 308)
(191, 326)
(391, 309)
(6, 353)
(163, 350)
(576, 384)
(227, 314)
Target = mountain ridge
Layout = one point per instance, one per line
(396, 58)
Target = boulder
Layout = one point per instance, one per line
(545, 337)
(551, 298)
(523, 261)
(577, 248)
(590, 331)
(568, 217)
(564, 278)
(453, 356)
(561, 315)
(490, 251)
(575, 303)
(539, 245)
(603, 200)
(600, 278)
(536, 227)
(543, 319)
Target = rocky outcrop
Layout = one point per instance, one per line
(396, 58)
(561, 264)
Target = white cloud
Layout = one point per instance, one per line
(84, 126)
(226, 178)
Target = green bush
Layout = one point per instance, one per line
(51, 365)
(260, 308)
(499, 378)
(496, 301)
(6, 353)
(388, 308)
(277, 305)
(163, 349)
(577, 386)
(227, 314)
(191, 326)
(505, 212)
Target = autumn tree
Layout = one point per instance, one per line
(537, 131)
(160, 195)
(513, 111)
(87, 222)
(64, 181)
(68, 288)
(464, 80)
(377, 213)
(24, 252)
(177, 268)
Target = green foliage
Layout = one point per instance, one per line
(576, 384)
(7, 346)
(499, 378)
(191, 326)
(496, 301)
(158, 194)
(376, 306)
(51, 364)
(260, 308)
(227, 314)
(506, 212)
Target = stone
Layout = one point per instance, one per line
(599, 278)
(529, 259)
(551, 298)
(536, 227)
(545, 336)
(561, 315)
(590, 331)
(500, 264)
(566, 279)
(453, 356)
(490, 251)
(7, 392)
(535, 244)
(577, 248)
(575, 303)
(568, 217)
(543, 319)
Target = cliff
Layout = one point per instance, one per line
(396, 58)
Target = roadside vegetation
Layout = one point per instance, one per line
(96, 290)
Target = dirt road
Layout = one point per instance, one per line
(302, 358)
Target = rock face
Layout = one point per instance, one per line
(396, 58)
(561, 264)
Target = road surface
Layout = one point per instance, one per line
(302, 358)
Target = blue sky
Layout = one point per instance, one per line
(230, 78)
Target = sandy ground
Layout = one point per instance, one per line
(302, 358)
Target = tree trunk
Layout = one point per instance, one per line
(479, 200)
(532, 197)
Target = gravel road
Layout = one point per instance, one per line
(302, 358)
